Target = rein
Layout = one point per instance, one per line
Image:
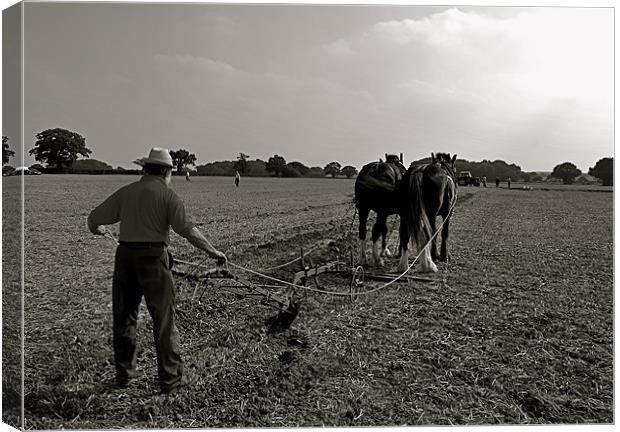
(113, 239)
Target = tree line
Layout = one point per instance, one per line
(275, 166)
(59, 149)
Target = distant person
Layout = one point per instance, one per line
(187, 175)
(484, 181)
(508, 180)
(496, 181)
(146, 210)
(237, 178)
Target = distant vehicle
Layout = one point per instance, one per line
(24, 171)
(466, 179)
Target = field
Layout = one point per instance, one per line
(516, 329)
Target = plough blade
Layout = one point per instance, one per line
(301, 276)
(288, 309)
(284, 318)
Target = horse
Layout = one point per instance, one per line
(376, 189)
(427, 191)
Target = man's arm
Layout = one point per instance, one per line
(106, 213)
(196, 238)
(181, 224)
(94, 228)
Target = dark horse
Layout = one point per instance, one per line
(427, 191)
(376, 188)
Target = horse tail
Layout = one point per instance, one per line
(415, 216)
(358, 193)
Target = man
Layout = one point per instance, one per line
(146, 210)
(237, 178)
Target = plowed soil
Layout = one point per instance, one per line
(516, 329)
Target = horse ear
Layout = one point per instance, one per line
(433, 157)
(453, 159)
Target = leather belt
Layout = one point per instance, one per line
(142, 244)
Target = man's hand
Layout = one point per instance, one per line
(100, 230)
(196, 238)
(221, 259)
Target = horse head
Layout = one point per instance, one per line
(446, 162)
(395, 160)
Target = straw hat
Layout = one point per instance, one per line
(157, 156)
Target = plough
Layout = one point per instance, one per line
(288, 309)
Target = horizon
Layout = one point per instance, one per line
(318, 83)
(343, 164)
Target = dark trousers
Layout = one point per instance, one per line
(144, 271)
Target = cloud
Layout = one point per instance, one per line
(434, 93)
(195, 62)
(213, 101)
(339, 48)
(221, 24)
(213, 73)
(449, 28)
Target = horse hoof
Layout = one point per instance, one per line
(431, 268)
(445, 257)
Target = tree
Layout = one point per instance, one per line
(7, 169)
(604, 170)
(289, 171)
(566, 171)
(90, 165)
(6, 152)
(182, 157)
(486, 168)
(218, 168)
(257, 168)
(242, 163)
(276, 165)
(59, 147)
(299, 167)
(349, 171)
(332, 169)
(531, 177)
(316, 172)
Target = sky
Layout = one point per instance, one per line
(317, 83)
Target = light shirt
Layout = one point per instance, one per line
(146, 210)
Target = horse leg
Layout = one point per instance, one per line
(377, 230)
(384, 248)
(426, 263)
(398, 249)
(363, 216)
(424, 250)
(446, 214)
(433, 245)
(445, 256)
(403, 262)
